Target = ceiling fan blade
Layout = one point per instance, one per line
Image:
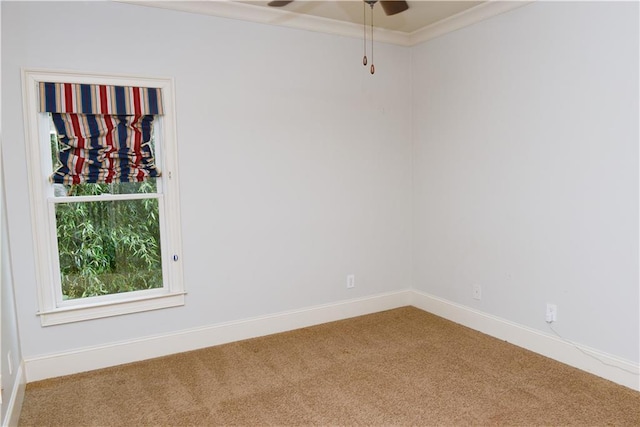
(276, 3)
(391, 7)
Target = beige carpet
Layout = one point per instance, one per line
(399, 367)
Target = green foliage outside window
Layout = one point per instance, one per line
(108, 247)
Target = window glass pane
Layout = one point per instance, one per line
(108, 247)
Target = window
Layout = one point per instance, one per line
(104, 194)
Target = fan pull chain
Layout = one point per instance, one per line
(373, 68)
(364, 28)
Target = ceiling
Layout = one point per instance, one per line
(424, 20)
(419, 15)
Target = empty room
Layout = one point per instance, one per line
(320, 213)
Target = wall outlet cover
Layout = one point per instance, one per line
(477, 292)
(351, 281)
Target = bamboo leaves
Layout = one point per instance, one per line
(108, 247)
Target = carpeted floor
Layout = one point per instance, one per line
(398, 367)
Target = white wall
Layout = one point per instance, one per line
(295, 163)
(525, 129)
(12, 377)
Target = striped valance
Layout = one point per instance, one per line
(104, 132)
(99, 99)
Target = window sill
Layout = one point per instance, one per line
(63, 315)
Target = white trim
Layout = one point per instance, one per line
(109, 308)
(52, 309)
(615, 369)
(273, 16)
(14, 406)
(89, 77)
(620, 371)
(103, 198)
(463, 19)
(286, 18)
(86, 359)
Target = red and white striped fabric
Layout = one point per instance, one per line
(104, 132)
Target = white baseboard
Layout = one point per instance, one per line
(604, 365)
(87, 359)
(14, 405)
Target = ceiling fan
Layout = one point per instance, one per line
(390, 7)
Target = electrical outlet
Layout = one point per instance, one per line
(351, 281)
(477, 292)
(551, 315)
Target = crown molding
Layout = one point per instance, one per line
(463, 19)
(285, 18)
(273, 16)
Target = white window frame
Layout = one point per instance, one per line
(52, 309)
